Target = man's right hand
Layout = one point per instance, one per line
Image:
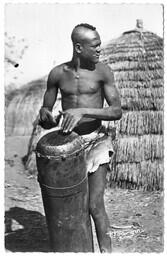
(47, 121)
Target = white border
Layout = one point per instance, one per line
(2, 104)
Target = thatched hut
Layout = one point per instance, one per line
(22, 107)
(136, 58)
(21, 116)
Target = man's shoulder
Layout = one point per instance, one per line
(104, 70)
(103, 67)
(58, 70)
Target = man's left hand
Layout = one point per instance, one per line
(71, 117)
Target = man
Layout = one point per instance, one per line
(84, 83)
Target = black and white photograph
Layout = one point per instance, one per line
(83, 127)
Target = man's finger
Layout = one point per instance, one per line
(62, 115)
(57, 119)
(52, 120)
(70, 124)
(61, 112)
(65, 119)
(44, 117)
(69, 120)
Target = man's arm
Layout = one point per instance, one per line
(113, 112)
(46, 119)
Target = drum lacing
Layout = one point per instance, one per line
(63, 156)
(83, 147)
(63, 187)
(93, 141)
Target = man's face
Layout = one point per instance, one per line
(91, 46)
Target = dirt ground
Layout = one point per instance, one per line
(136, 217)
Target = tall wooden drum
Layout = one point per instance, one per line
(64, 186)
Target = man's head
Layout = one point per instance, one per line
(86, 42)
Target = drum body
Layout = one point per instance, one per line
(64, 187)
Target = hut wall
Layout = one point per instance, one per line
(137, 62)
(21, 116)
(22, 108)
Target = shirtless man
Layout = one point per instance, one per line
(84, 82)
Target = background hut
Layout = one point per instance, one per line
(22, 107)
(21, 116)
(136, 58)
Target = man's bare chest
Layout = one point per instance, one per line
(80, 82)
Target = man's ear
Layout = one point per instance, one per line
(78, 47)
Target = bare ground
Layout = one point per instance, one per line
(137, 216)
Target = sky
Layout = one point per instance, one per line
(47, 29)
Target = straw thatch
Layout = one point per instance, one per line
(21, 116)
(22, 107)
(136, 59)
(141, 122)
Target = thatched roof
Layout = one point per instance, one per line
(136, 58)
(22, 107)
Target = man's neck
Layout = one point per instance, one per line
(77, 64)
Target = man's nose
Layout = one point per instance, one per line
(98, 49)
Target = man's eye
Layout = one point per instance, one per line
(95, 46)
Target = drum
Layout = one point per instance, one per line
(64, 186)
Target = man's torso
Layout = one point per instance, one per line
(83, 89)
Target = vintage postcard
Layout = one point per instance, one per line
(84, 94)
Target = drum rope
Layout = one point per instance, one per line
(63, 187)
(65, 155)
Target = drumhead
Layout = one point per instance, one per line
(58, 144)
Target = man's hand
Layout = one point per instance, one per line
(47, 121)
(71, 117)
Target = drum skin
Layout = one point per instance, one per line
(64, 186)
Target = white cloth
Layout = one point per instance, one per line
(99, 150)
